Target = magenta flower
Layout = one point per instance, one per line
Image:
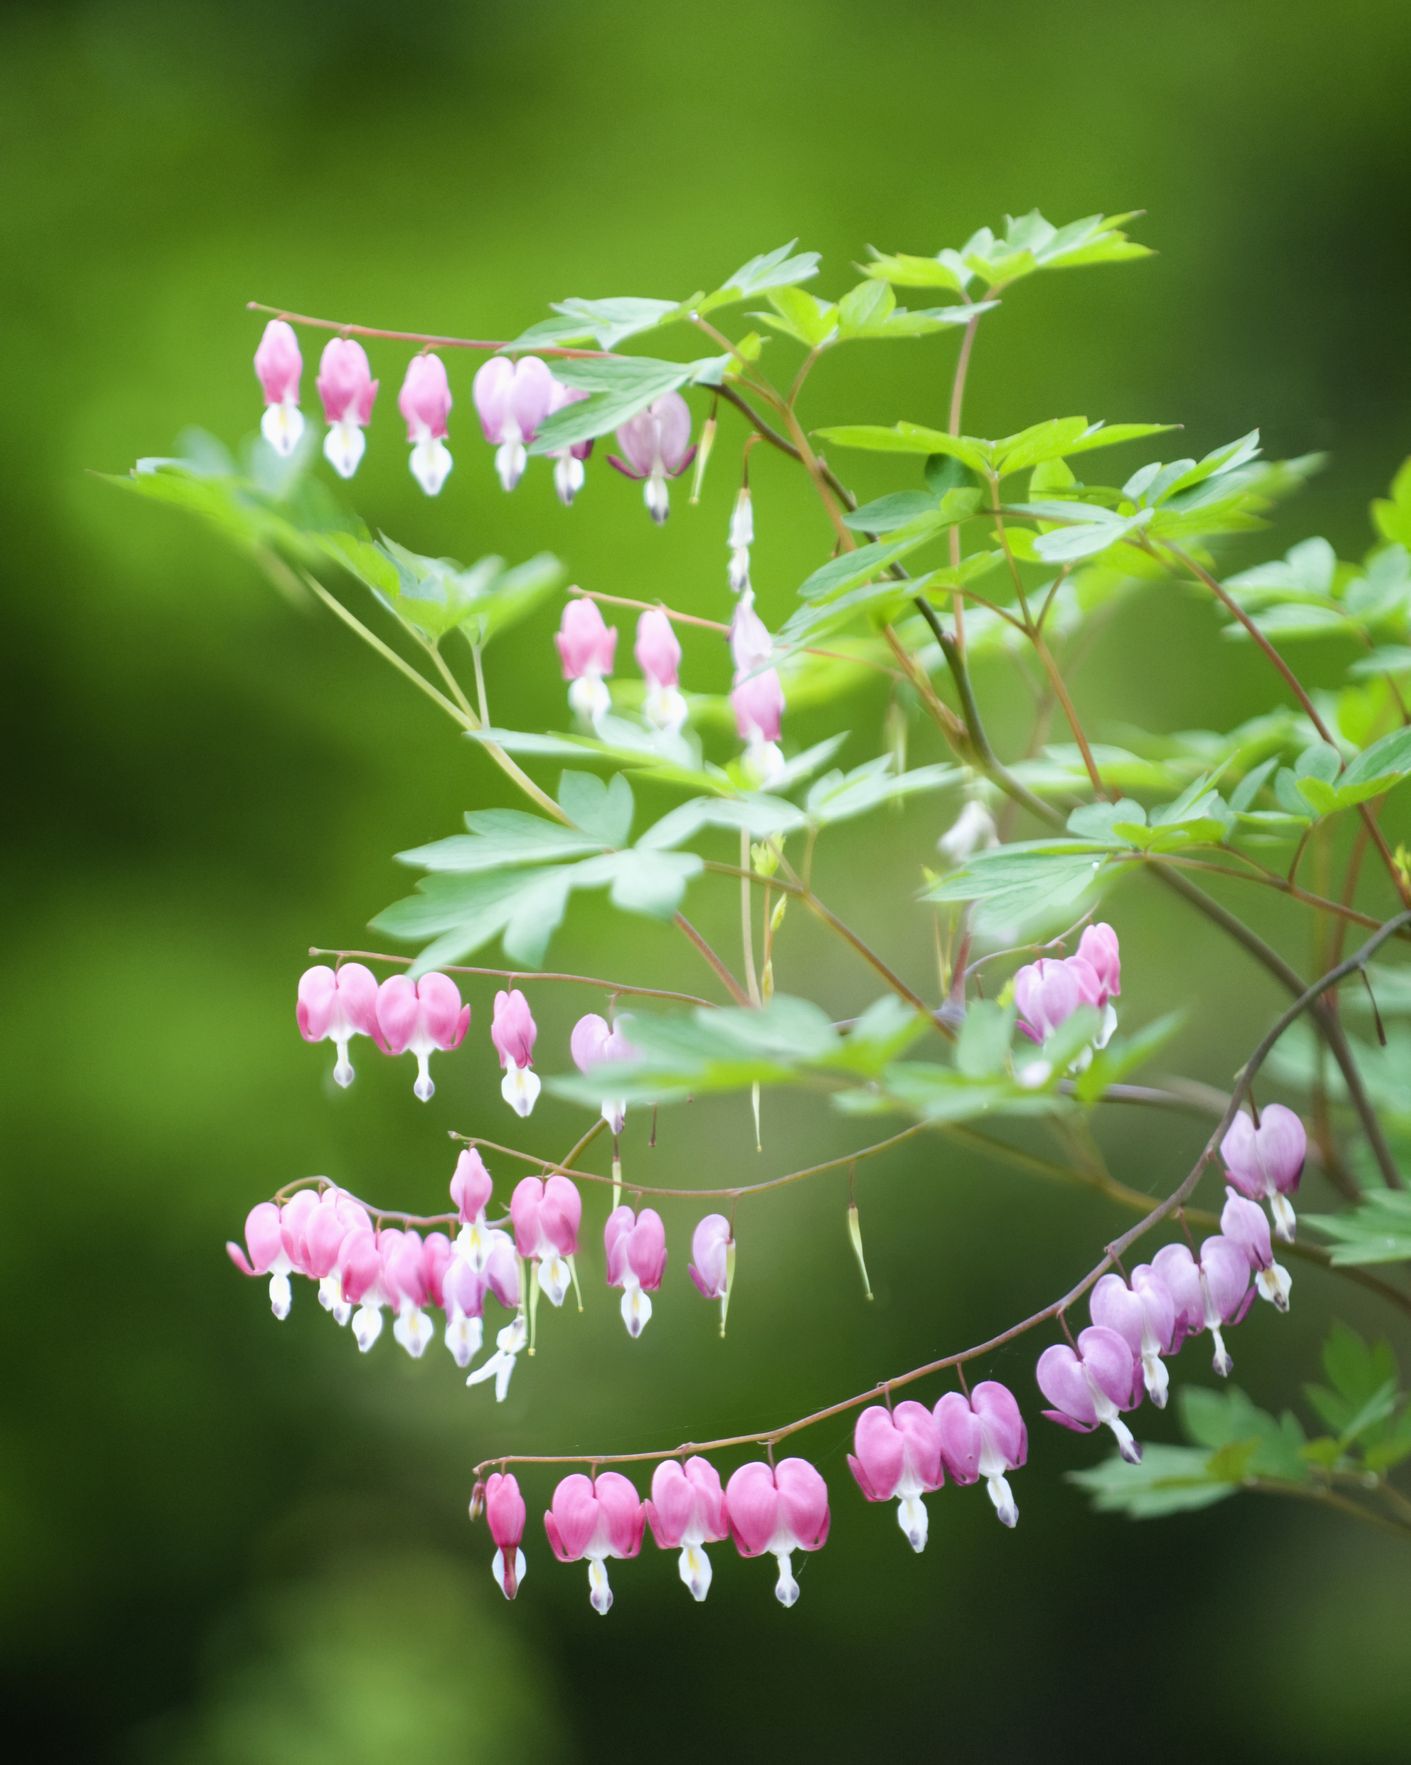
(686, 1512)
(1047, 993)
(898, 1453)
(597, 1519)
(1243, 1223)
(512, 399)
(347, 388)
(360, 1281)
(418, 1017)
(425, 403)
(657, 445)
(569, 474)
(659, 657)
(405, 1285)
(264, 1241)
(334, 1006)
(278, 366)
(635, 1246)
(1098, 947)
(595, 1043)
(313, 1226)
(505, 1515)
(739, 540)
(778, 1509)
(586, 649)
(1091, 1385)
(1208, 1293)
(1144, 1316)
(546, 1216)
(983, 1435)
(513, 1032)
(1266, 1163)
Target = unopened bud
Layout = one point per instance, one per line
(707, 442)
(477, 1500)
(855, 1234)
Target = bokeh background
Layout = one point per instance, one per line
(229, 1541)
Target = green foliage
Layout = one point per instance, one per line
(1027, 244)
(1377, 1229)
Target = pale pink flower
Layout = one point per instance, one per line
(405, 1285)
(360, 1282)
(758, 703)
(569, 474)
(418, 1017)
(347, 389)
(657, 446)
(264, 1241)
(597, 1519)
(513, 1032)
(711, 1244)
(505, 1515)
(334, 1005)
(278, 365)
(635, 1246)
(586, 649)
(512, 399)
(1243, 1223)
(1047, 993)
(687, 1512)
(1144, 1315)
(546, 1215)
(659, 657)
(1266, 1163)
(1091, 1385)
(595, 1043)
(983, 1435)
(898, 1453)
(778, 1509)
(425, 403)
(1209, 1292)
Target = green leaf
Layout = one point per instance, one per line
(611, 322)
(912, 438)
(1169, 1480)
(1377, 1230)
(982, 1050)
(1028, 244)
(1227, 1418)
(1376, 769)
(839, 796)
(777, 269)
(1016, 882)
(501, 838)
(617, 390)
(801, 315)
(887, 513)
(603, 811)
(1393, 519)
(652, 883)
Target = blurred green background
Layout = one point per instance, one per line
(230, 1541)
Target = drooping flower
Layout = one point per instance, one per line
(586, 649)
(313, 1241)
(751, 646)
(687, 1512)
(483, 1261)
(505, 1515)
(513, 1032)
(347, 389)
(1144, 1316)
(1091, 1385)
(1244, 1223)
(972, 831)
(471, 1187)
(595, 1043)
(425, 403)
(1047, 993)
(711, 1244)
(278, 365)
(1208, 1293)
(264, 1242)
(509, 1345)
(758, 704)
(404, 1283)
(512, 399)
(659, 657)
(983, 1435)
(418, 1017)
(657, 445)
(898, 1453)
(569, 474)
(635, 1246)
(360, 1281)
(1266, 1163)
(1099, 948)
(546, 1216)
(778, 1509)
(334, 1006)
(596, 1518)
(741, 538)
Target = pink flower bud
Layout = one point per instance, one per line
(758, 704)
(419, 1017)
(1266, 1163)
(425, 403)
(898, 1453)
(347, 389)
(983, 1435)
(334, 1006)
(710, 1252)
(1244, 1224)
(659, 657)
(1047, 994)
(1090, 1386)
(778, 1509)
(657, 446)
(595, 1519)
(505, 1515)
(1099, 949)
(471, 1186)
(586, 649)
(635, 1247)
(513, 1032)
(686, 1512)
(278, 365)
(512, 399)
